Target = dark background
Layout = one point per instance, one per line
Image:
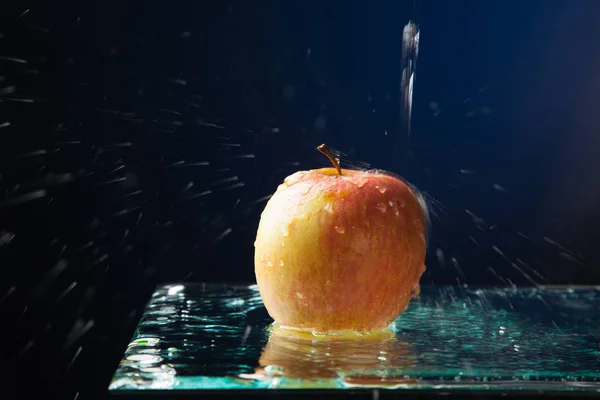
(118, 117)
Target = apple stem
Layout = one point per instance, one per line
(335, 161)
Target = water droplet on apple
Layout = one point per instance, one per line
(402, 203)
(299, 295)
(262, 258)
(305, 190)
(281, 263)
(282, 243)
(361, 182)
(302, 217)
(269, 263)
(394, 206)
(318, 334)
(340, 229)
(381, 207)
(381, 189)
(416, 290)
(285, 232)
(329, 208)
(342, 194)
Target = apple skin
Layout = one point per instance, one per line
(337, 253)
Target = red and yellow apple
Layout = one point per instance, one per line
(340, 250)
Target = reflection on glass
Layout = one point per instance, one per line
(313, 361)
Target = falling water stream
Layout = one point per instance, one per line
(410, 52)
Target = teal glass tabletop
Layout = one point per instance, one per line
(198, 337)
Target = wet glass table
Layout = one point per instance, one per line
(206, 337)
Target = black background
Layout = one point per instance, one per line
(123, 114)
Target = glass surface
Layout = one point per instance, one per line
(200, 336)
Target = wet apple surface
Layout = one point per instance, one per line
(340, 250)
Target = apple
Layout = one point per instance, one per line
(340, 250)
